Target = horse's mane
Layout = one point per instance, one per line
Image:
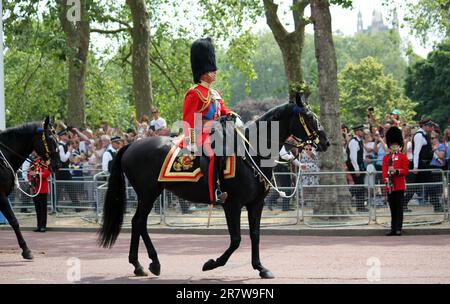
(21, 130)
(274, 114)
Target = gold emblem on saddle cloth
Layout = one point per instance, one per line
(184, 162)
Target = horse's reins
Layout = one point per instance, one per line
(15, 153)
(302, 144)
(16, 179)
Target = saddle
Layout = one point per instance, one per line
(181, 166)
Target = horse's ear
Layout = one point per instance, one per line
(46, 123)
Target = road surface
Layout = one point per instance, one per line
(74, 257)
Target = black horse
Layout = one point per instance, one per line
(141, 162)
(16, 144)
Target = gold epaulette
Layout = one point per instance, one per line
(205, 100)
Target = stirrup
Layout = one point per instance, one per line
(220, 197)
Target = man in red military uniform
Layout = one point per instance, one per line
(395, 168)
(38, 175)
(203, 105)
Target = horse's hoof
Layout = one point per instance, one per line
(27, 255)
(139, 272)
(209, 265)
(155, 268)
(266, 274)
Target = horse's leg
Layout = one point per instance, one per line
(134, 246)
(5, 208)
(147, 205)
(233, 216)
(254, 219)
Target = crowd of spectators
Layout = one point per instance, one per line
(375, 146)
(87, 146)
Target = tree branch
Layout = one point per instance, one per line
(165, 74)
(299, 13)
(102, 31)
(159, 54)
(121, 22)
(67, 26)
(273, 21)
(125, 59)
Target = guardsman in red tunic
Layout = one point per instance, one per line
(38, 175)
(395, 168)
(203, 104)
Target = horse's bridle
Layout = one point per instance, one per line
(47, 156)
(312, 135)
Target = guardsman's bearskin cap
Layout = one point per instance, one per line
(394, 136)
(203, 58)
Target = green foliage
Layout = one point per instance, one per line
(172, 57)
(270, 76)
(343, 3)
(429, 17)
(105, 101)
(364, 85)
(428, 82)
(270, 80)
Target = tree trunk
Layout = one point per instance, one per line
(291, 44)
(142, 87)
(337, 200)
(77, 37)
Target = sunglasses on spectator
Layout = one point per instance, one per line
(308, 149)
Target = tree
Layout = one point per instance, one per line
(34, 63)
(142, 86)
(291, 44)
(270, 78)
(429, 17)
(75, 24)
(385, 47)
(428, 83)
(365, 85)
(334, 202)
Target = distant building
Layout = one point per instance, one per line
(377, 25)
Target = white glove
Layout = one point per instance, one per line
(192, 148)
(296, 163)
(239, 123)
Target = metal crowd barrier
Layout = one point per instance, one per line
(277, 211)
(23, 204)
(101, 180)
(332, 199)
(424, 203)
(323, 199)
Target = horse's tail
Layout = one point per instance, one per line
(115, 203)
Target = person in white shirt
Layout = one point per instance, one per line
(422, 151)
(355, 163)
(288, 154)
(63, 173)
(110, 153)
(157, 122)
(422, 157)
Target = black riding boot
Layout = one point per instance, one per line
(218, 194)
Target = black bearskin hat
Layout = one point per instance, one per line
(203, 58)
(394, 136)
